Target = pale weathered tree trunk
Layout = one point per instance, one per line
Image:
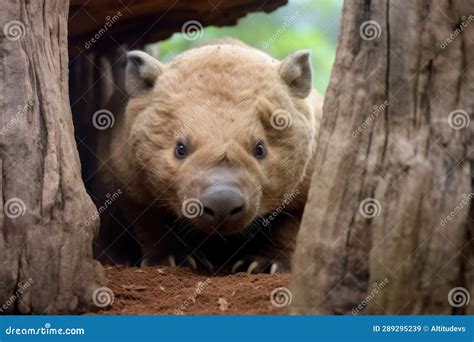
(394, 161)
(46, 263)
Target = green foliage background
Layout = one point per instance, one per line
(301, 24)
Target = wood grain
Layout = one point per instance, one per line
(406, 157)
(45, 245)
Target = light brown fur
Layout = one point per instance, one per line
(219, 98)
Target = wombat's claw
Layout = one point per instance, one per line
(171, 260)
(188, 261)
(197, 262)
(206, 263)
(158, 261)
(254, 265)
(191, 262)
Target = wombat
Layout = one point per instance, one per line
(214, 152)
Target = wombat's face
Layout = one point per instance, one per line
(222, 134)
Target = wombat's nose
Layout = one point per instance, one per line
(222, 203)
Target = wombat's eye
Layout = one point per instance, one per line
(180, 150)
(259, 150)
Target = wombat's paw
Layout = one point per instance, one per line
(258, 264)
(197, 261)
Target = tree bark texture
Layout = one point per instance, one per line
(46, 263)
(140, 22)
(388, 228)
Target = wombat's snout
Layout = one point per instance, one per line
(226, 197)
(223, 203)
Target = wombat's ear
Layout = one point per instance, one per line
(296, 71)
(141, 72)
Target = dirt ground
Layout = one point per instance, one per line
(171, 291)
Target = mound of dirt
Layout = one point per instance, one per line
(174, 291)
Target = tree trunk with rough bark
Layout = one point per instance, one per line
(46, 263)
(388, 228)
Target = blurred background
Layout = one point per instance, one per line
(302, 24)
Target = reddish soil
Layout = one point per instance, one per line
(170, 291)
